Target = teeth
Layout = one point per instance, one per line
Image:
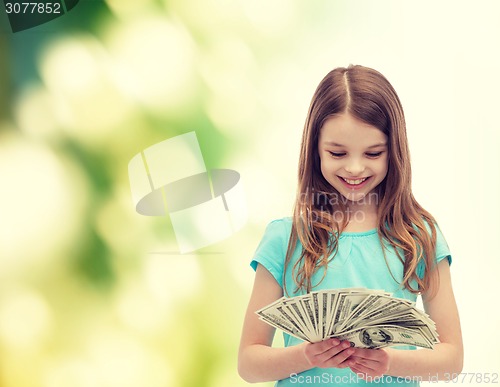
(354, 182)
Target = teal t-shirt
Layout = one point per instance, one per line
(359, 262)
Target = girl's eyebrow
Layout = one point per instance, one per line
(370, 147)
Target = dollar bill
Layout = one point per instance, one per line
(380, 336)
(367, 318)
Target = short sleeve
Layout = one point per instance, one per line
(271, 251)
(442, 251)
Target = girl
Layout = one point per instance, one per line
(355, 224)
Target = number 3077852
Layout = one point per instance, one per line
(472, 377)
(33, 8)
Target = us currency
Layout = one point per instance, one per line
(274, 317)
(296, 309)
(371, 302)
(384, 335)
(349, 312)
(310, 315)
(347, 303)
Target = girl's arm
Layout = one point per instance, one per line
(259, 362)
(445, 360)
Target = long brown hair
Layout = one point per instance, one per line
(368, 96)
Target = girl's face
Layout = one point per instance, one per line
(353, 156)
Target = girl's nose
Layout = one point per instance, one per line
(355, 168)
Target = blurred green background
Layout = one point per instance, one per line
(91, 293)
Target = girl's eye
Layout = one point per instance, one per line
(337, 154)
(374, 154)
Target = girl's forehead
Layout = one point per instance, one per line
(345, 130)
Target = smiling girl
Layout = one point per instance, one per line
(355, 224)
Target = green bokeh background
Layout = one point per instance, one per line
(92, 293)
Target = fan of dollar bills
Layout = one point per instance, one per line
(367, 318)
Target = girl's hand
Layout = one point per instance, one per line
(372, 363)
(330, 353)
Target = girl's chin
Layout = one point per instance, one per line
(361, 197)
(354, 197)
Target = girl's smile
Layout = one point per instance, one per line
(352, 183)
